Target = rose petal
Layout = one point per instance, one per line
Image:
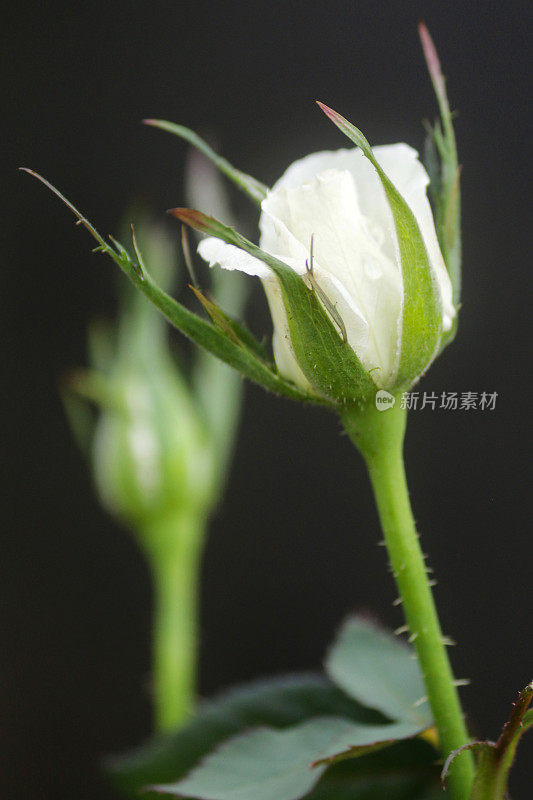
(350, 265)
(402, 166)
(227, 256)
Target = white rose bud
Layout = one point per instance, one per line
(338, 199)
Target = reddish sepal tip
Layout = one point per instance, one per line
(329, 112)
(430, 54)
(195, 219)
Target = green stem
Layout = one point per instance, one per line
(379, 437)
(174, 546)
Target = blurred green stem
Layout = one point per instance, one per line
(175, 546)
(379, 437)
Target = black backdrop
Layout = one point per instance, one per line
(293, 547)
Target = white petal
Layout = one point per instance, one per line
(338, 197)
(371, 196)
(214, 251)
(306, 168)
(227, 256)
(401, 164)
(284, 356)
(357, 328)
(350, 266)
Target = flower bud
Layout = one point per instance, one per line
(356, 263)
(152, 452)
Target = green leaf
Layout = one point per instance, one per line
(379, 671)
(329, 363)
(268, 764)
(253, 188)
(421, 314)
(278, 702)
(207, 335)
(404, 771)
(446, 190)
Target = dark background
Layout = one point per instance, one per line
(293, 547)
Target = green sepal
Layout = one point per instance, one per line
(81, 389)
(495, 759)
(328, 362)
(421, 323)
(203, 333)
(445, 175)
(217, 342)
(80, 417)
(234, 329)
(255, 190)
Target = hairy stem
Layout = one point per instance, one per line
(379, 437)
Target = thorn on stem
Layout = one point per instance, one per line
(401, 629)
(447, 641)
